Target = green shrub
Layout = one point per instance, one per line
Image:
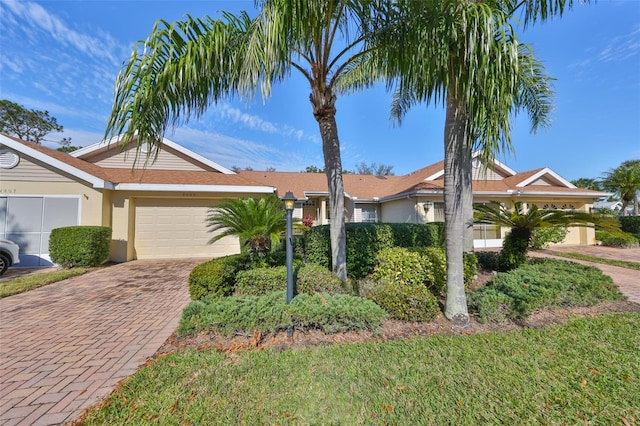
(544, 237)
(438, 265)
(631, 225)
(365, 240)
(259, 281)
(407, 302)
(317, 246)
(487, 260)
(73, 246)
(270, 313)
(312, 278)
(309, 278)
(335, 313)
(513, 253)
(404, 267)
(539, 284)
(617, 239)
(217, 277)
(470, 267)
(417, 234)
(438, 259)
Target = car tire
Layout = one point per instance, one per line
(4, 263)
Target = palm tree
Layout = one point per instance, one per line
(470, 61)
(624, 180)
(524, 221)
(185, 66)
(257, 222)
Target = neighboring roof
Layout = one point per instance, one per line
(104, 145)
(425, 181)
(130, 179)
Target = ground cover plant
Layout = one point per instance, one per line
(581, 372)
(542, 283)
(33, 281)
(246, 315)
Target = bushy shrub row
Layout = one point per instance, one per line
(631, 225)
(72, 246)
(217, 277)
(617, 239)
(270, 314)
(365, 240)
(309, 278)
(541, 283)
(487, 260)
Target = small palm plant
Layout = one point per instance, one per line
(257, 222)
(523, 223)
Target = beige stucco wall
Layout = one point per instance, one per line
(399, 211)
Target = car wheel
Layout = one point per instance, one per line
(4, 263)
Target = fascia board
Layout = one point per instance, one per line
(95, 181)
(193, 188)
(546, 171)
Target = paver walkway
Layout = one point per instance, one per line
(65, 346)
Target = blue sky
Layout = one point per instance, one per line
(63, 56)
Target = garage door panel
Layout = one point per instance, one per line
(177, 229)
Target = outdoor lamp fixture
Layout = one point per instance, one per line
(427, 206)
(289, 202)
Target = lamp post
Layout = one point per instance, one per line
(289, 202)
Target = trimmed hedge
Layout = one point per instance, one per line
(72, 246)
(217, 277)
(365, 240)
(270, 314)
(617, 239)
(630, 224)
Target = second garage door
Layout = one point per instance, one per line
(168, 229)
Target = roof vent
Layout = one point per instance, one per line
(8, 159)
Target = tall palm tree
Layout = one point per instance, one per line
(470, 61)
(624, 180)
(257, 222)
(524, 220)
(184, 67)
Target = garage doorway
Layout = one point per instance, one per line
(28, 221)
(176, 229)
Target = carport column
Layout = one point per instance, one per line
(323, 212)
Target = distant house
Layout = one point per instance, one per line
(615, 206)
(157, 209)
(418, 196)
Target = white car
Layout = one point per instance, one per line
(8, 254)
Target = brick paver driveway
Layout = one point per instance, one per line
(65, 346)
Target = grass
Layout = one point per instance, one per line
(613, 262)
(582, 372)
(30, 282)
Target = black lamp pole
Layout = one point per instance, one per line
(289, 202)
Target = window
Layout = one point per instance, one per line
(369, 214)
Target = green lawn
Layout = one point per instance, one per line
(612, 262)
(30, 282)
(582, 372)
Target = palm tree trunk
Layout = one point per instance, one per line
(326, 118)
(456, 185)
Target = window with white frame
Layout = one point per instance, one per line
(369, 214)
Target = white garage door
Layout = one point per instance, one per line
(29, 220)
(168, 229)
